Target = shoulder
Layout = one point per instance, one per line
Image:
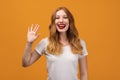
(43, 41)
(83, 44)
(82, 41)
(40, 48)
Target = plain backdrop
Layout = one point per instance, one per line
(98, 23)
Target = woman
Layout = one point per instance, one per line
(63, 49)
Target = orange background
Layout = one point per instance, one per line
(97, 22)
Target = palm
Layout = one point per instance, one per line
(32, 33)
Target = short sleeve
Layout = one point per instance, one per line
(40, 48)
(84, 51)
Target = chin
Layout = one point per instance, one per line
(62, 31)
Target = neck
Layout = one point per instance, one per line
(63, 37)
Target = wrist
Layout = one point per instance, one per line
(29, 43)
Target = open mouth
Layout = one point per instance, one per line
(61, 26)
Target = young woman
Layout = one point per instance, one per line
(63, 49)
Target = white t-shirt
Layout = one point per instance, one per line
(64, 66)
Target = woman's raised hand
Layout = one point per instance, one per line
(32, 33)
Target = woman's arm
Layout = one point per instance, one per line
(29, 56)
(83, 68)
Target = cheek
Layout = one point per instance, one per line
(56, 21)
(67, 21)
(67, 27)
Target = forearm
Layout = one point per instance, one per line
(84, 77)
(28, 57)
(27, 54)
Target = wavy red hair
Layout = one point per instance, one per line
(54, 46)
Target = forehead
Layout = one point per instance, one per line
(60, 12)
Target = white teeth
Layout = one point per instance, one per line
(61, 24)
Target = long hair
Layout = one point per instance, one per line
(54, 46)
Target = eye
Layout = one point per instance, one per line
(57, 17)
(65, 17)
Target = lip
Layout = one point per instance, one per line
(61, 26)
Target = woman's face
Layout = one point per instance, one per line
(61, 21)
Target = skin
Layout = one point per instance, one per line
(61, 17)
(30, 56)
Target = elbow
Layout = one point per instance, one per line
(24, 64)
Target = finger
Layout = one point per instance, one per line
(32, 27)
(36, 28)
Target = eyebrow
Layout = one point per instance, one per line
(62, 15)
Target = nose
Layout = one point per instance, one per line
(61, 19)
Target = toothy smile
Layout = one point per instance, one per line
(61, 26)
